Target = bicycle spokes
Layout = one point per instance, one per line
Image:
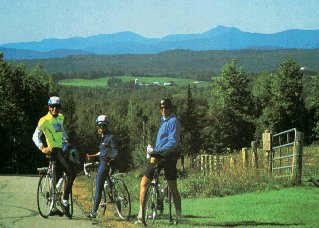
(121, 198)
(44, 199)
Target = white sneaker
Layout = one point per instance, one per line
(138, 221)
(65, 202)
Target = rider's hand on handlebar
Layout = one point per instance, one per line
(88, 157)
(149, 149)
(46, 150)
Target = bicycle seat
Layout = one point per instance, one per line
(43, 169)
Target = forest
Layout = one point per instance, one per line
(200, 65)
(235, 109)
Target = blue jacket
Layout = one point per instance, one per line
(168, 138)
(107, 148)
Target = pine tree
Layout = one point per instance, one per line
(232, 122)
(190, 121)
(284, 106)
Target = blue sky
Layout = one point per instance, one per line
(35, 20)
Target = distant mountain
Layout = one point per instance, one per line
(12, 53)
(219, 38)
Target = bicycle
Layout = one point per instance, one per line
(49, 191)
(154, 198)
(118, 193)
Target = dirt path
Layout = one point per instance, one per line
(110, 218)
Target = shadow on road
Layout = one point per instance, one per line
(32, 212)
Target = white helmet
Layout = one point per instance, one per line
(102, 119)
(54, 101)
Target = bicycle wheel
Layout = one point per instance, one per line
(44, 197)
(122, 199)
(149, 207)
(102, 204)
(61, 193)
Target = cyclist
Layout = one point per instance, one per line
(52, 127)
(166, 153)
(107, 154)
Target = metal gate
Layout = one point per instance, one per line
(285, 157)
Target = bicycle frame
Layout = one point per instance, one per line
(49, 190)
(119, 193)
(156, 183)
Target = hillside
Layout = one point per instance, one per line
(178, 62)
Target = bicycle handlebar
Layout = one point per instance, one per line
(85, 165)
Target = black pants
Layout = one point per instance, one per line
(63, 165)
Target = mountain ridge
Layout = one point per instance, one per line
(218, 38)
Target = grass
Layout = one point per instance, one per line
(234, 197)
(102, 82)
(270, 208)
(263, 209)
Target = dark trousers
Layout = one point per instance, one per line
(101, 177)
(63, 165)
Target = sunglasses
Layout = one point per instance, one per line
(102, 125)
(164, 107)
(55, 106)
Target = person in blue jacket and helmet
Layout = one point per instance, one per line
(165, 153)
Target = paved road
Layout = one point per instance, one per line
(18, 206)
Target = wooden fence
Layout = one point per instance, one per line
(272, 158)
(247, 158)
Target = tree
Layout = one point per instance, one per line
(283, 107)
(231, 118)
(190, 121)
(21, 94)
(313, 107)
(69, 112)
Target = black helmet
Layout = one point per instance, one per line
(167, 103)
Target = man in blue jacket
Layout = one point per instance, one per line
(166, 153)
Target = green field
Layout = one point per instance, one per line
(102, 82)
(293, 206)
(296, 206)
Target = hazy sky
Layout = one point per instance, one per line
(35, 20)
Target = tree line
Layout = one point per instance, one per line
(235, 110)
(181, 63)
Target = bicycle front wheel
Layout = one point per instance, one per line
(70, 195)
(122, 199)
(44, 196)
(102, 205)
(149, 207)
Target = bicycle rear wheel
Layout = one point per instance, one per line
(122, 199)
(44, 196)
(149, 207)
(102, 204)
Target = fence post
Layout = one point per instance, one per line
(210, 162)
(254, 159)
(297, 158)
(267, 146)
(202, 157)
(244, 155)
(232, 162)
(206, 164)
